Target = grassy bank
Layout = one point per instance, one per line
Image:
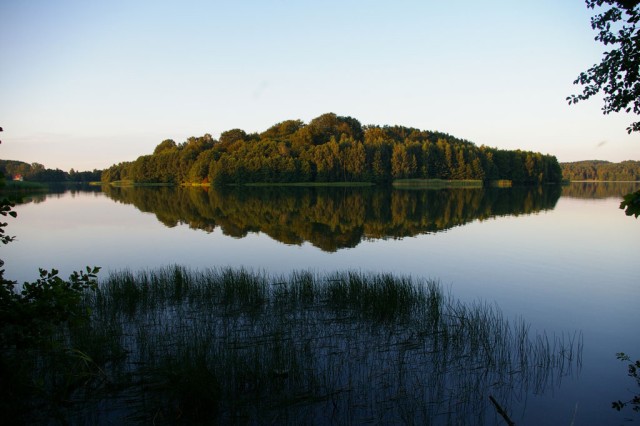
(14, 185)
(312, 184)
(133, 183)
(398, 183)
(436, 183)
(257, 184)
(231, 346)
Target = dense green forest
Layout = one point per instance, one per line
(601, 170)
(36, 172)
(331, 148)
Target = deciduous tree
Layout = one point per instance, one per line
(617, 74)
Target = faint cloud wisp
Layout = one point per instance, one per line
(257, 93)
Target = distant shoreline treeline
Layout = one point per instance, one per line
(331, 148)
(36, 172)
(601, 170)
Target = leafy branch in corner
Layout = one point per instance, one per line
(633, 369)
(5, 209)
(30, 318)
(632, 204)
(617, 75)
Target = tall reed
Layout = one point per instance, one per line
(233, 346)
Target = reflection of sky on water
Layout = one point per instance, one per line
(571, 268)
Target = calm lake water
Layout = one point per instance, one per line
(562, 258)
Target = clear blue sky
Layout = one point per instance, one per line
(86, 84)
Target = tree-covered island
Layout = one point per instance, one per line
(331, 148)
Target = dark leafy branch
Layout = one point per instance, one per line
(633, 369)
(616, 76)
(29, 317)
(631, 203)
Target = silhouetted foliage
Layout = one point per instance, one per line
(634, 372)
(631, 204)
(617, 75)
(28, 319)
(29, 316)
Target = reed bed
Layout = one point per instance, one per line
(233, 346)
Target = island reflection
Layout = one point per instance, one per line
(332, 218)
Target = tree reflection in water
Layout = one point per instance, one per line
(332, 218)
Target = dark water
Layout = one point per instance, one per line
(564, 259)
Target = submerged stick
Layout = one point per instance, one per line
(501, 411)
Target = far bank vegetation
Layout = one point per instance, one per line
(595, 170)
